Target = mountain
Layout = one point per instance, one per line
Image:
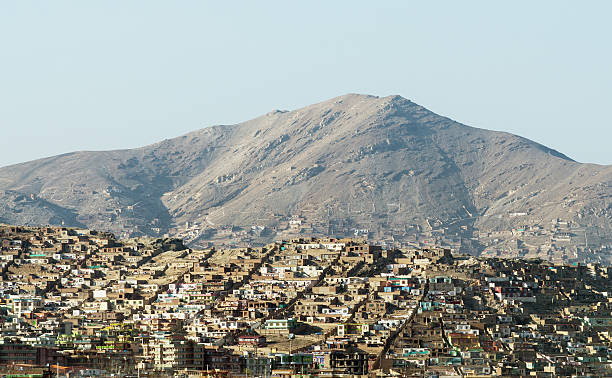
(385, 167)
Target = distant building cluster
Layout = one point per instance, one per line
(560, 241)
(79, 303)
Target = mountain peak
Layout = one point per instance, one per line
(367, 98)
(355, 162)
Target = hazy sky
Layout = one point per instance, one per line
(85, 75)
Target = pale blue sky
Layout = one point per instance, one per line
(85, 75)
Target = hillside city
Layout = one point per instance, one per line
(560, 241)
(81, 303)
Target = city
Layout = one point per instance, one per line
(77, 302)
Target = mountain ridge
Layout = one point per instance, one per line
(353, 162)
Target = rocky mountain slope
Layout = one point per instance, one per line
(350, 163)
